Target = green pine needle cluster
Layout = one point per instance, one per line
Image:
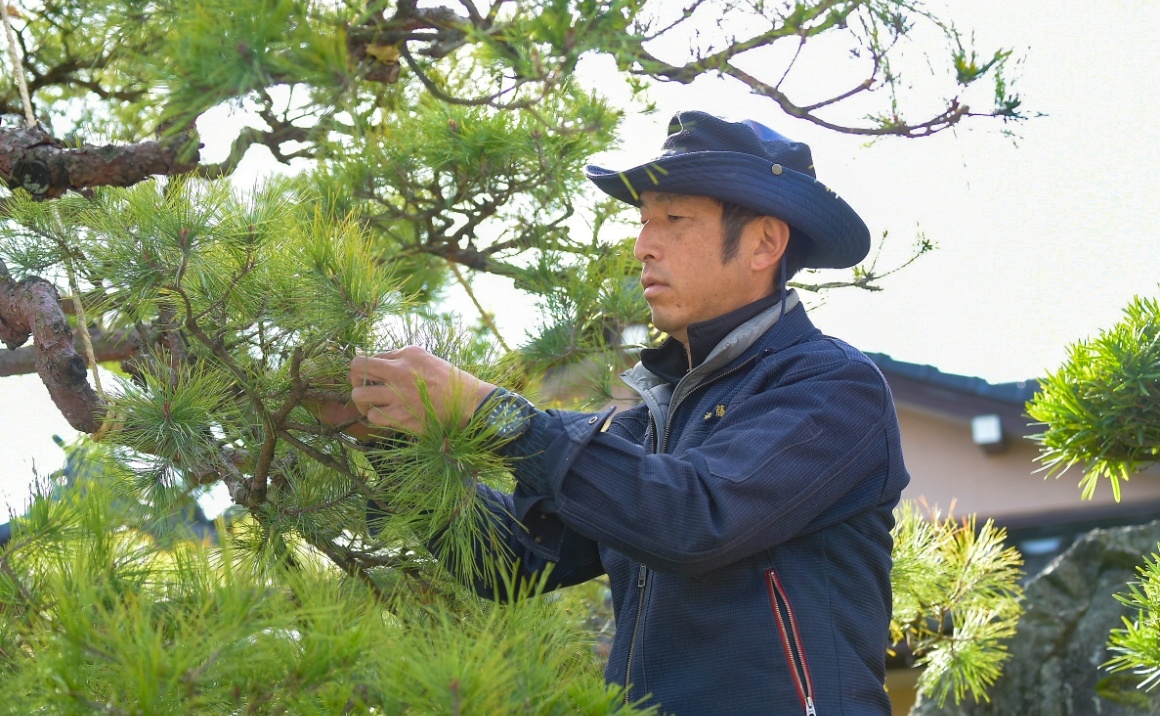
(99, 617)
(1101, 408)
(249, 311)
(587, 313)
(1137, 645)
(956, 600)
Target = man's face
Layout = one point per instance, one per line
(684, 280)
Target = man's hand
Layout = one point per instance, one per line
(341, 414)
(385, 388)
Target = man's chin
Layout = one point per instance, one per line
(659, 323)
(664, 327)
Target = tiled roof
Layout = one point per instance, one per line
(958, 396)
(1017, 392)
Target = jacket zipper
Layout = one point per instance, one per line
(673, 408)
(791, 640)
(641, 578)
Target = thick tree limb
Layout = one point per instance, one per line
(33, 160)
(31, 307)
(116, 346)
(440, 28)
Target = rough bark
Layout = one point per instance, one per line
(116, 346)
(33, 160)
(31, 308)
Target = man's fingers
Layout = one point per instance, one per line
(391, 388)
(396, 416)
(371, 371)
(365, 396)
(380, 417)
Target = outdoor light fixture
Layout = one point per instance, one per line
(987, 432)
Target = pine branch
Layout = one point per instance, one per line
(344, 470)
(67, 73)
(276, 422)
(31, 308)
(348, 564)
(440, 28)
(472, 259)
(6, 568)
(249, 137)
(33, 160)
(483, 315)
(107, 346)
(490, 100)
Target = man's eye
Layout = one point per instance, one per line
(674, 217)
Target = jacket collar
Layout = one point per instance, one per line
(706, 335)
(671, 359)
(669, 364)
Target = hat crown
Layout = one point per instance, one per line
(750, 165)
(691, 132)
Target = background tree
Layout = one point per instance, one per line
(432, 144)
(1101, 410)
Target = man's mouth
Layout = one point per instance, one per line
(652, 286)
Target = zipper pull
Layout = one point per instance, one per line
(810, 710)
(643, 569)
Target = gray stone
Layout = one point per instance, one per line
(1061, 641)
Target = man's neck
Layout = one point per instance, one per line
(703, 337)
(700, 340)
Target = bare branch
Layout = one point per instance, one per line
(472, 12)
(690, 71)
(490, 100)
(483, 315)
(33, 160)
(820, 18)
(31, 308)
(953, 114)
(247, 138)
(686, 13)
(864, 86)
(793, 61)
(115, 346)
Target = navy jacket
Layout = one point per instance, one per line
(743, 517)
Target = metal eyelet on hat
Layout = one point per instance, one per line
(776, 170)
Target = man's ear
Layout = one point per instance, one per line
(772, 238)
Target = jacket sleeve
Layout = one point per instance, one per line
(814, 437)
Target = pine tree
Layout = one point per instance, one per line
(431, 144)
(1100, 411)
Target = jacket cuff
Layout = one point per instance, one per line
(541, 533)
(544, 454)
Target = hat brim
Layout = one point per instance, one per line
(838, 236)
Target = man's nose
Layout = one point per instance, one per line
(645, 249)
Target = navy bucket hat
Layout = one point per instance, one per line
(749, 164)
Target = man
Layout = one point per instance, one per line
(742, 511)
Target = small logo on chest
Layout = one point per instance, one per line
(717, 412)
